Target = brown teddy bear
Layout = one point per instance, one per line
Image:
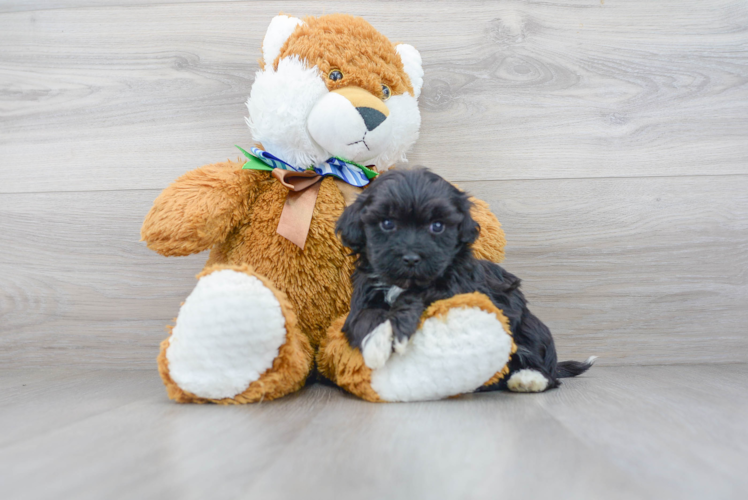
(333, 103)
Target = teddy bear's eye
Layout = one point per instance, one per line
(335, 75)
(387, 225)
(436, 227)
(385, 92)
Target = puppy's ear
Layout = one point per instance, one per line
(468, 229)
(350, 227)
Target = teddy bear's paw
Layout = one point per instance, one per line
(228, 333)
(450, 354)
(527, 380)
(377, 346)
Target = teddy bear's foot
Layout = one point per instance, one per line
(462, 344)
(235, 341)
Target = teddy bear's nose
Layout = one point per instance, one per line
(372, 117)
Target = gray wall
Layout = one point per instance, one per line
(610, 138)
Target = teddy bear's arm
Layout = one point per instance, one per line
(491, 242)
(200, 208)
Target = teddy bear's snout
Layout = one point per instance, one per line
(351, 123)
(372, 109)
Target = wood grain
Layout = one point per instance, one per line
(641, 271)
(632, 270)
(688, 418)
(36, 5)
(609, 137)
(616, 432)
(110, 97)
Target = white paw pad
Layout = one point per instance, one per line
(527, 381)
(377, 346)
(228, 333)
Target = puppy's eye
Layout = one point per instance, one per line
(385, 92)
(387, 225)
(335, 75)
(436, 227)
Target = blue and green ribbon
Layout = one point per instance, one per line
(347, 171)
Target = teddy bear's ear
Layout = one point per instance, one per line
(278, 32)
(412, 63)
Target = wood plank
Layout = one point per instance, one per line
(640, 271)
(114, 434)
(78, 285)
(637, 271)
(681, 428)
(474, 447)
(131, 97)
(74, 394)
(34, 5)
(616, 432)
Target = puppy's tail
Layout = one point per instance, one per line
(566, 369)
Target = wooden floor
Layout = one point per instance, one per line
(617, 432)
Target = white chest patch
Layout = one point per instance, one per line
(447, 356)
(228, 333)
(392, 294)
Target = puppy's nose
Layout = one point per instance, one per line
(411, 259)
(372, 117)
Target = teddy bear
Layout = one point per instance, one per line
(333, 103)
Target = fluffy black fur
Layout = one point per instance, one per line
(412, 229)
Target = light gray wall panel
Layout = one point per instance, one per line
(632, 270)
(130, 97)
(609, 137)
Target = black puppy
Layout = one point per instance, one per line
(412, 233)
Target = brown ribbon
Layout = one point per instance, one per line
(296, 217)
(303, 188)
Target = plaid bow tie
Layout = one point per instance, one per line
(350, 172)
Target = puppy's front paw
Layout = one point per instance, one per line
(377, 346)
(400, 344)
(527, 381)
